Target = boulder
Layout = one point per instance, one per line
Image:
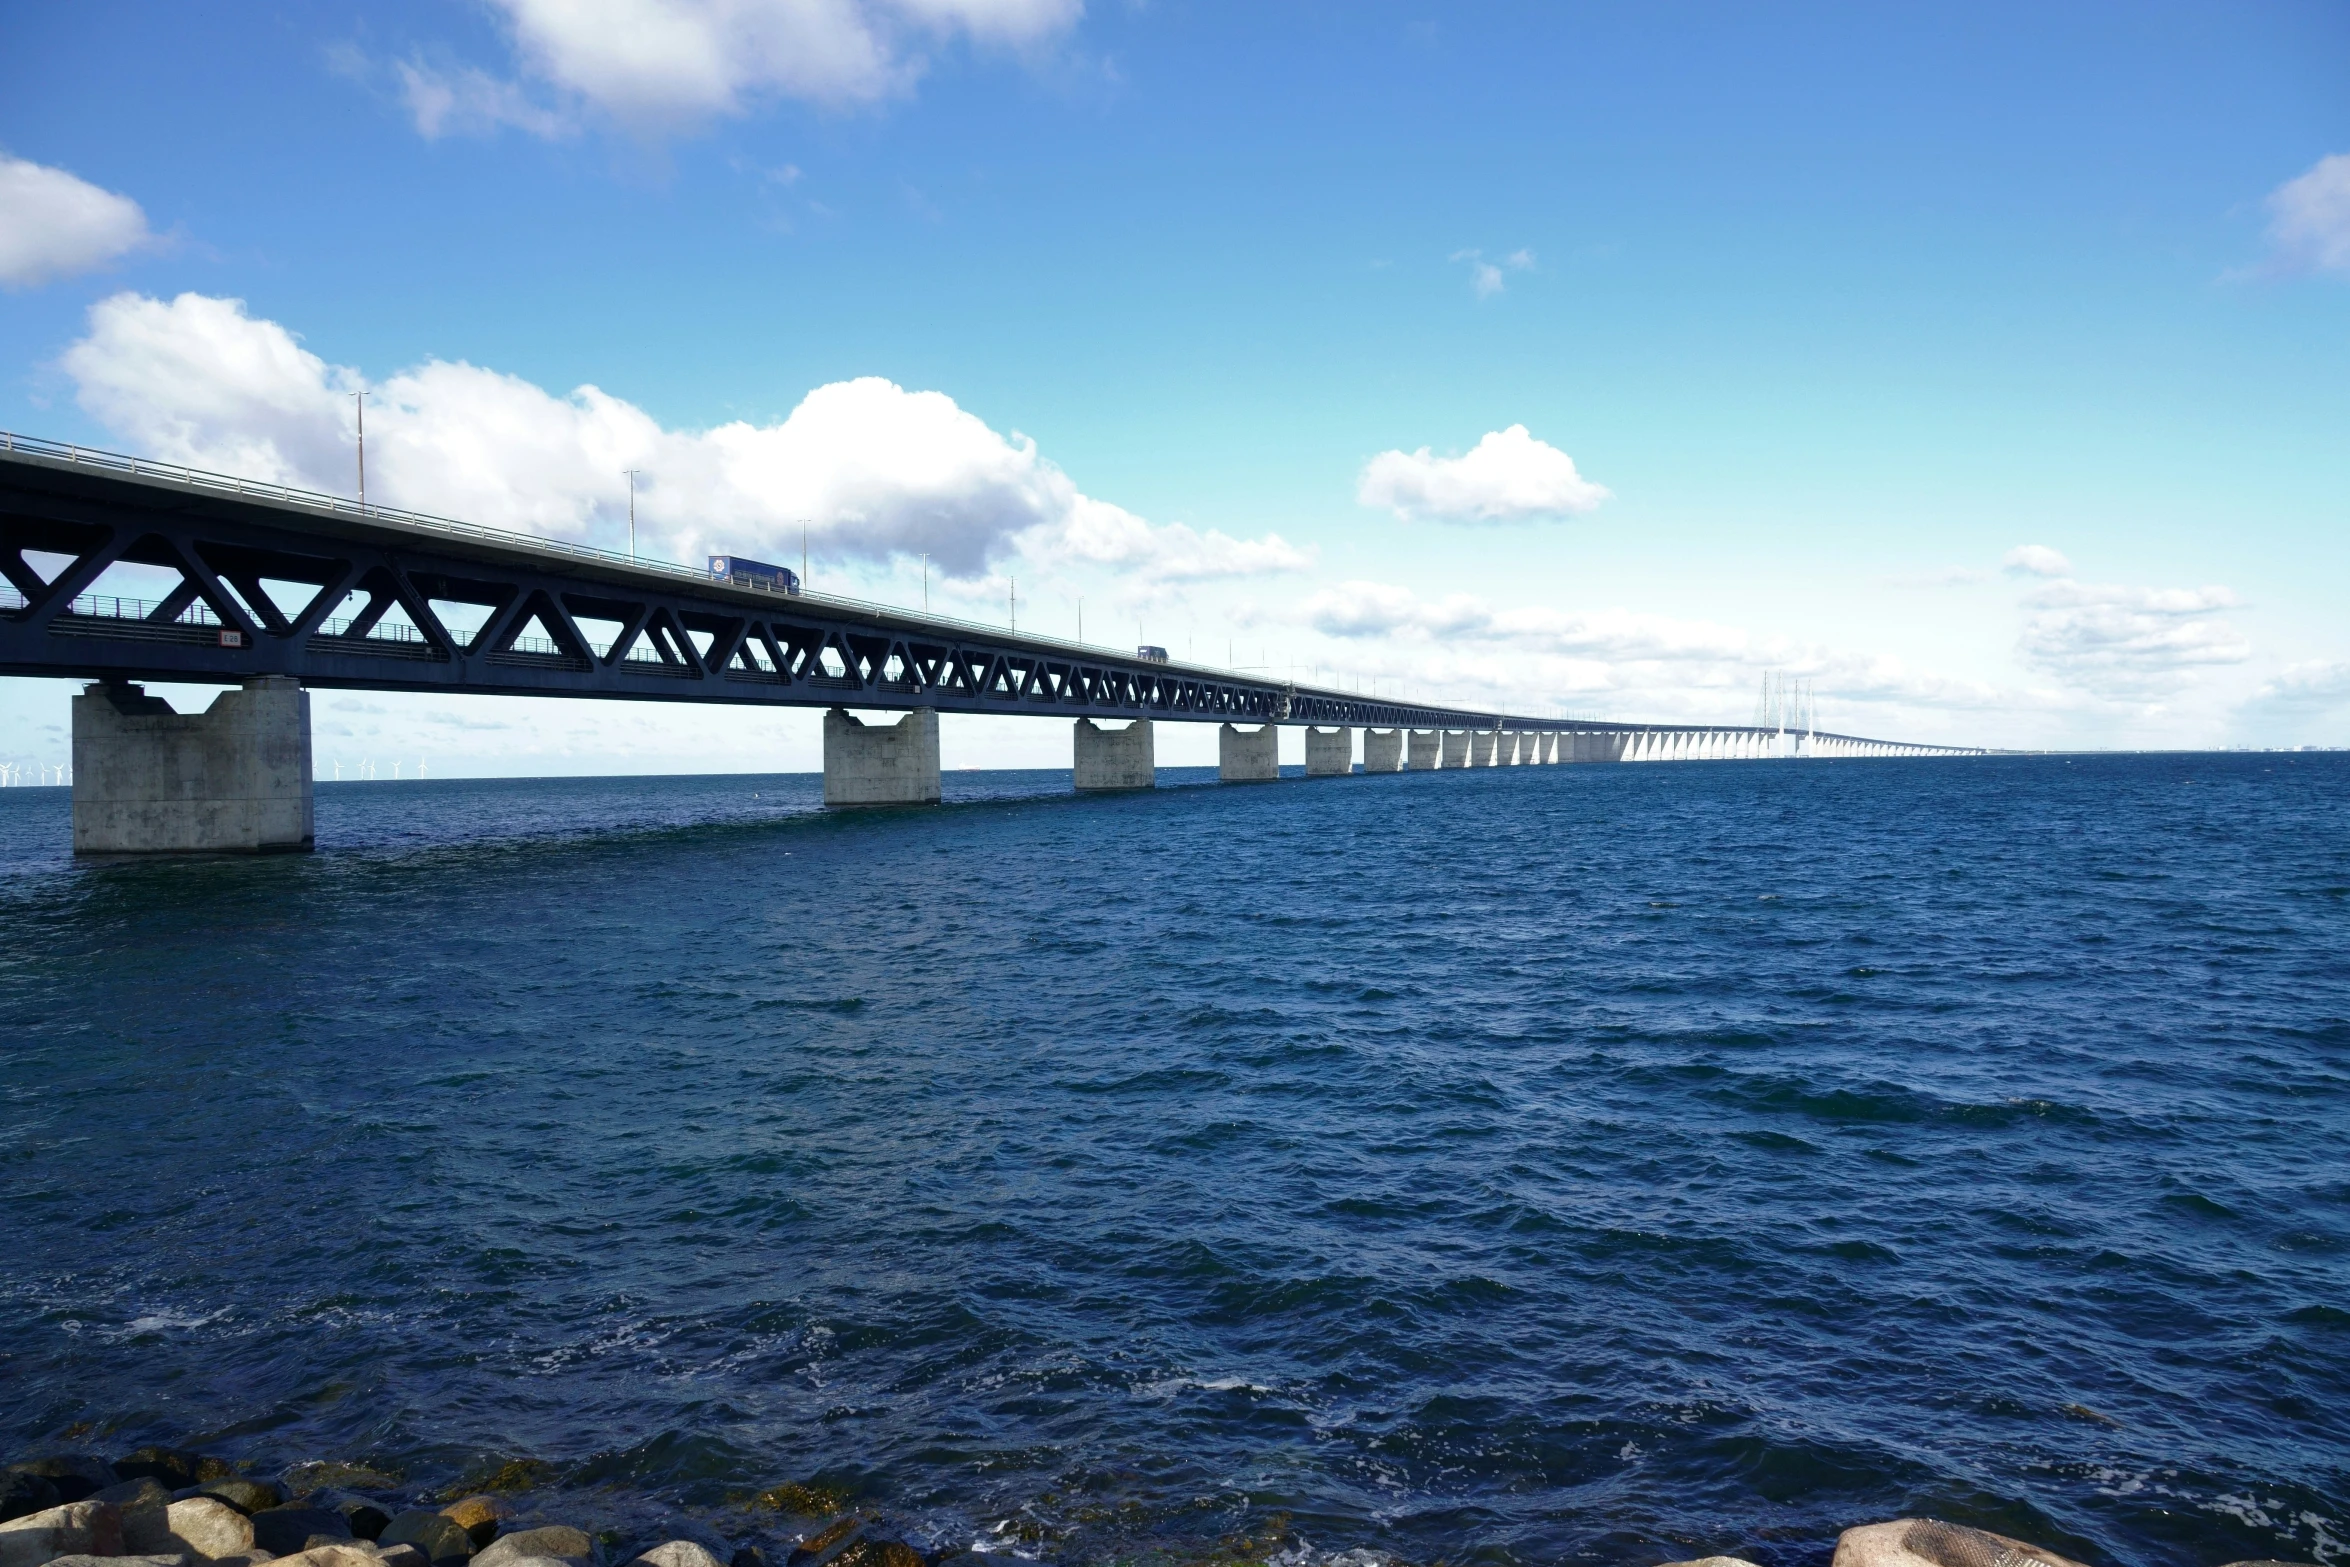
(367, 1518)
(146, 1531)
(748, 1556)
(22, 1494)
(75, 1475)
(676, 1553)
(346, 1554)
(1712, 1561)
(557, 1540)
(289, 1531)
(246, 1496)
(1928, 1542)
(171, 1467)
(478, 1516)
(2269, 1564)
(119, 1561)
(402, 1556)
(210, 1528)
(440, 1537)
(84, 1528)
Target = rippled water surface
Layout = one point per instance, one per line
(1581, 1164)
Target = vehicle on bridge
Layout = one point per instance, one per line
(744, 572)
(1156, 655)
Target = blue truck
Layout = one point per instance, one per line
(747, 573)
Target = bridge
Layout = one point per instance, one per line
(276, 591)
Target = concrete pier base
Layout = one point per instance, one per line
(1116, 758)
(876, 764)
(1382, 750)
(1481, 747)
(1427, 749)
(1456, 748)
(1330, 753)
(233, 779)
(1248, 755)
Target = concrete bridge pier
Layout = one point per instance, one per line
(233, 779)
(881, 764)
(1481, 747)
(1330, 753)
(1382, 750)
(1456, 748)
(1427, 749)
(1248, 755)
(1116, 758)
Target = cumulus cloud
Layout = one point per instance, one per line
(54, 225)
(2309, 218)
(1509, 476)
(868, 468)
(2037, 560)
(655, 64)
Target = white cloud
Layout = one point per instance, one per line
(2037, 560)
(1486, 278)
(2123, 642)
(1623, 661)
(660, 64)
(471, 102)
(2312, 686)
(53, 225)
(1509, 476)
(871, 469)
(2309, 218)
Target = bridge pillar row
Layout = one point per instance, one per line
(881, 764)
(1248, 756)
(1330, 753)
(1427, 749)
(1382, 750)
(1116, 758)
(233, 779)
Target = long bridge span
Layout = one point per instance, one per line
(276, 590)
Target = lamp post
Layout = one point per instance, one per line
(359, 401)
(632, 473)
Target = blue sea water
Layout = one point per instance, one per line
(1581, 1164)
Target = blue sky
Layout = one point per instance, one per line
(1830, 309)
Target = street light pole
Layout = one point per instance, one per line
(632, 473)
(359, 401)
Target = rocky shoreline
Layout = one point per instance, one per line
(168, 1507)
